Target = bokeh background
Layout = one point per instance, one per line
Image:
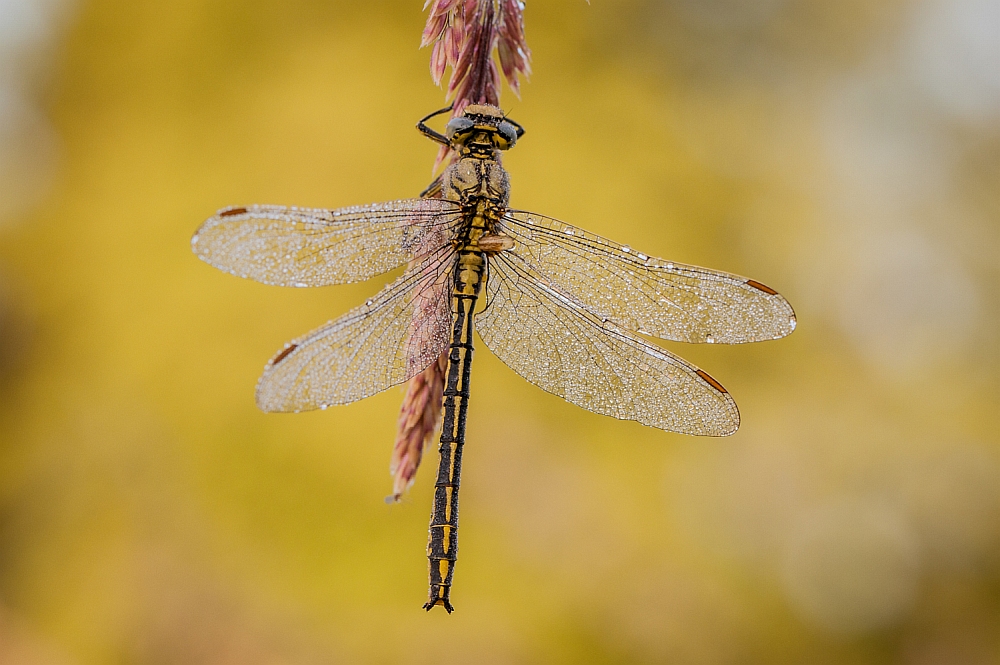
(846, 153)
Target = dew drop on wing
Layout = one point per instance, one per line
(626, 248)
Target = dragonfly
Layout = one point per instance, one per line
(566, 309)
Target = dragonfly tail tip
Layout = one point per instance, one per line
(431, 604)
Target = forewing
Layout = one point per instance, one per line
(392, 337)
(553, 341)
(314, 247)
(645, 294)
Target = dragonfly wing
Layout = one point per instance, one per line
(554, 341)
(287, 246)
(645, 294)
(386, 341)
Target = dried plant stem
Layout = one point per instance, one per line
(418, 420)
(464, 35)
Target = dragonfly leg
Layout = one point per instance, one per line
(430, 133)
(517, 126)
(433, 190)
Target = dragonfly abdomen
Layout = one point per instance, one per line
(442, 546)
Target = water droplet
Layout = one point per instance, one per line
(626, 249)
(368, 302)
(670, 265)
(299, 285)
(569, 232)
(791, 322)
(709, 339)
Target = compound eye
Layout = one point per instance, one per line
(508, 132)
(457, 126)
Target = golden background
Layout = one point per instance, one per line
(845, 153)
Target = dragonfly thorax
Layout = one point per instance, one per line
(471, 180)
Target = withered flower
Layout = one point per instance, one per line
(463, 35)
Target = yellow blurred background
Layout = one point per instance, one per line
(846, 153)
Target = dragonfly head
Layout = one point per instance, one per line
(482, 130)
